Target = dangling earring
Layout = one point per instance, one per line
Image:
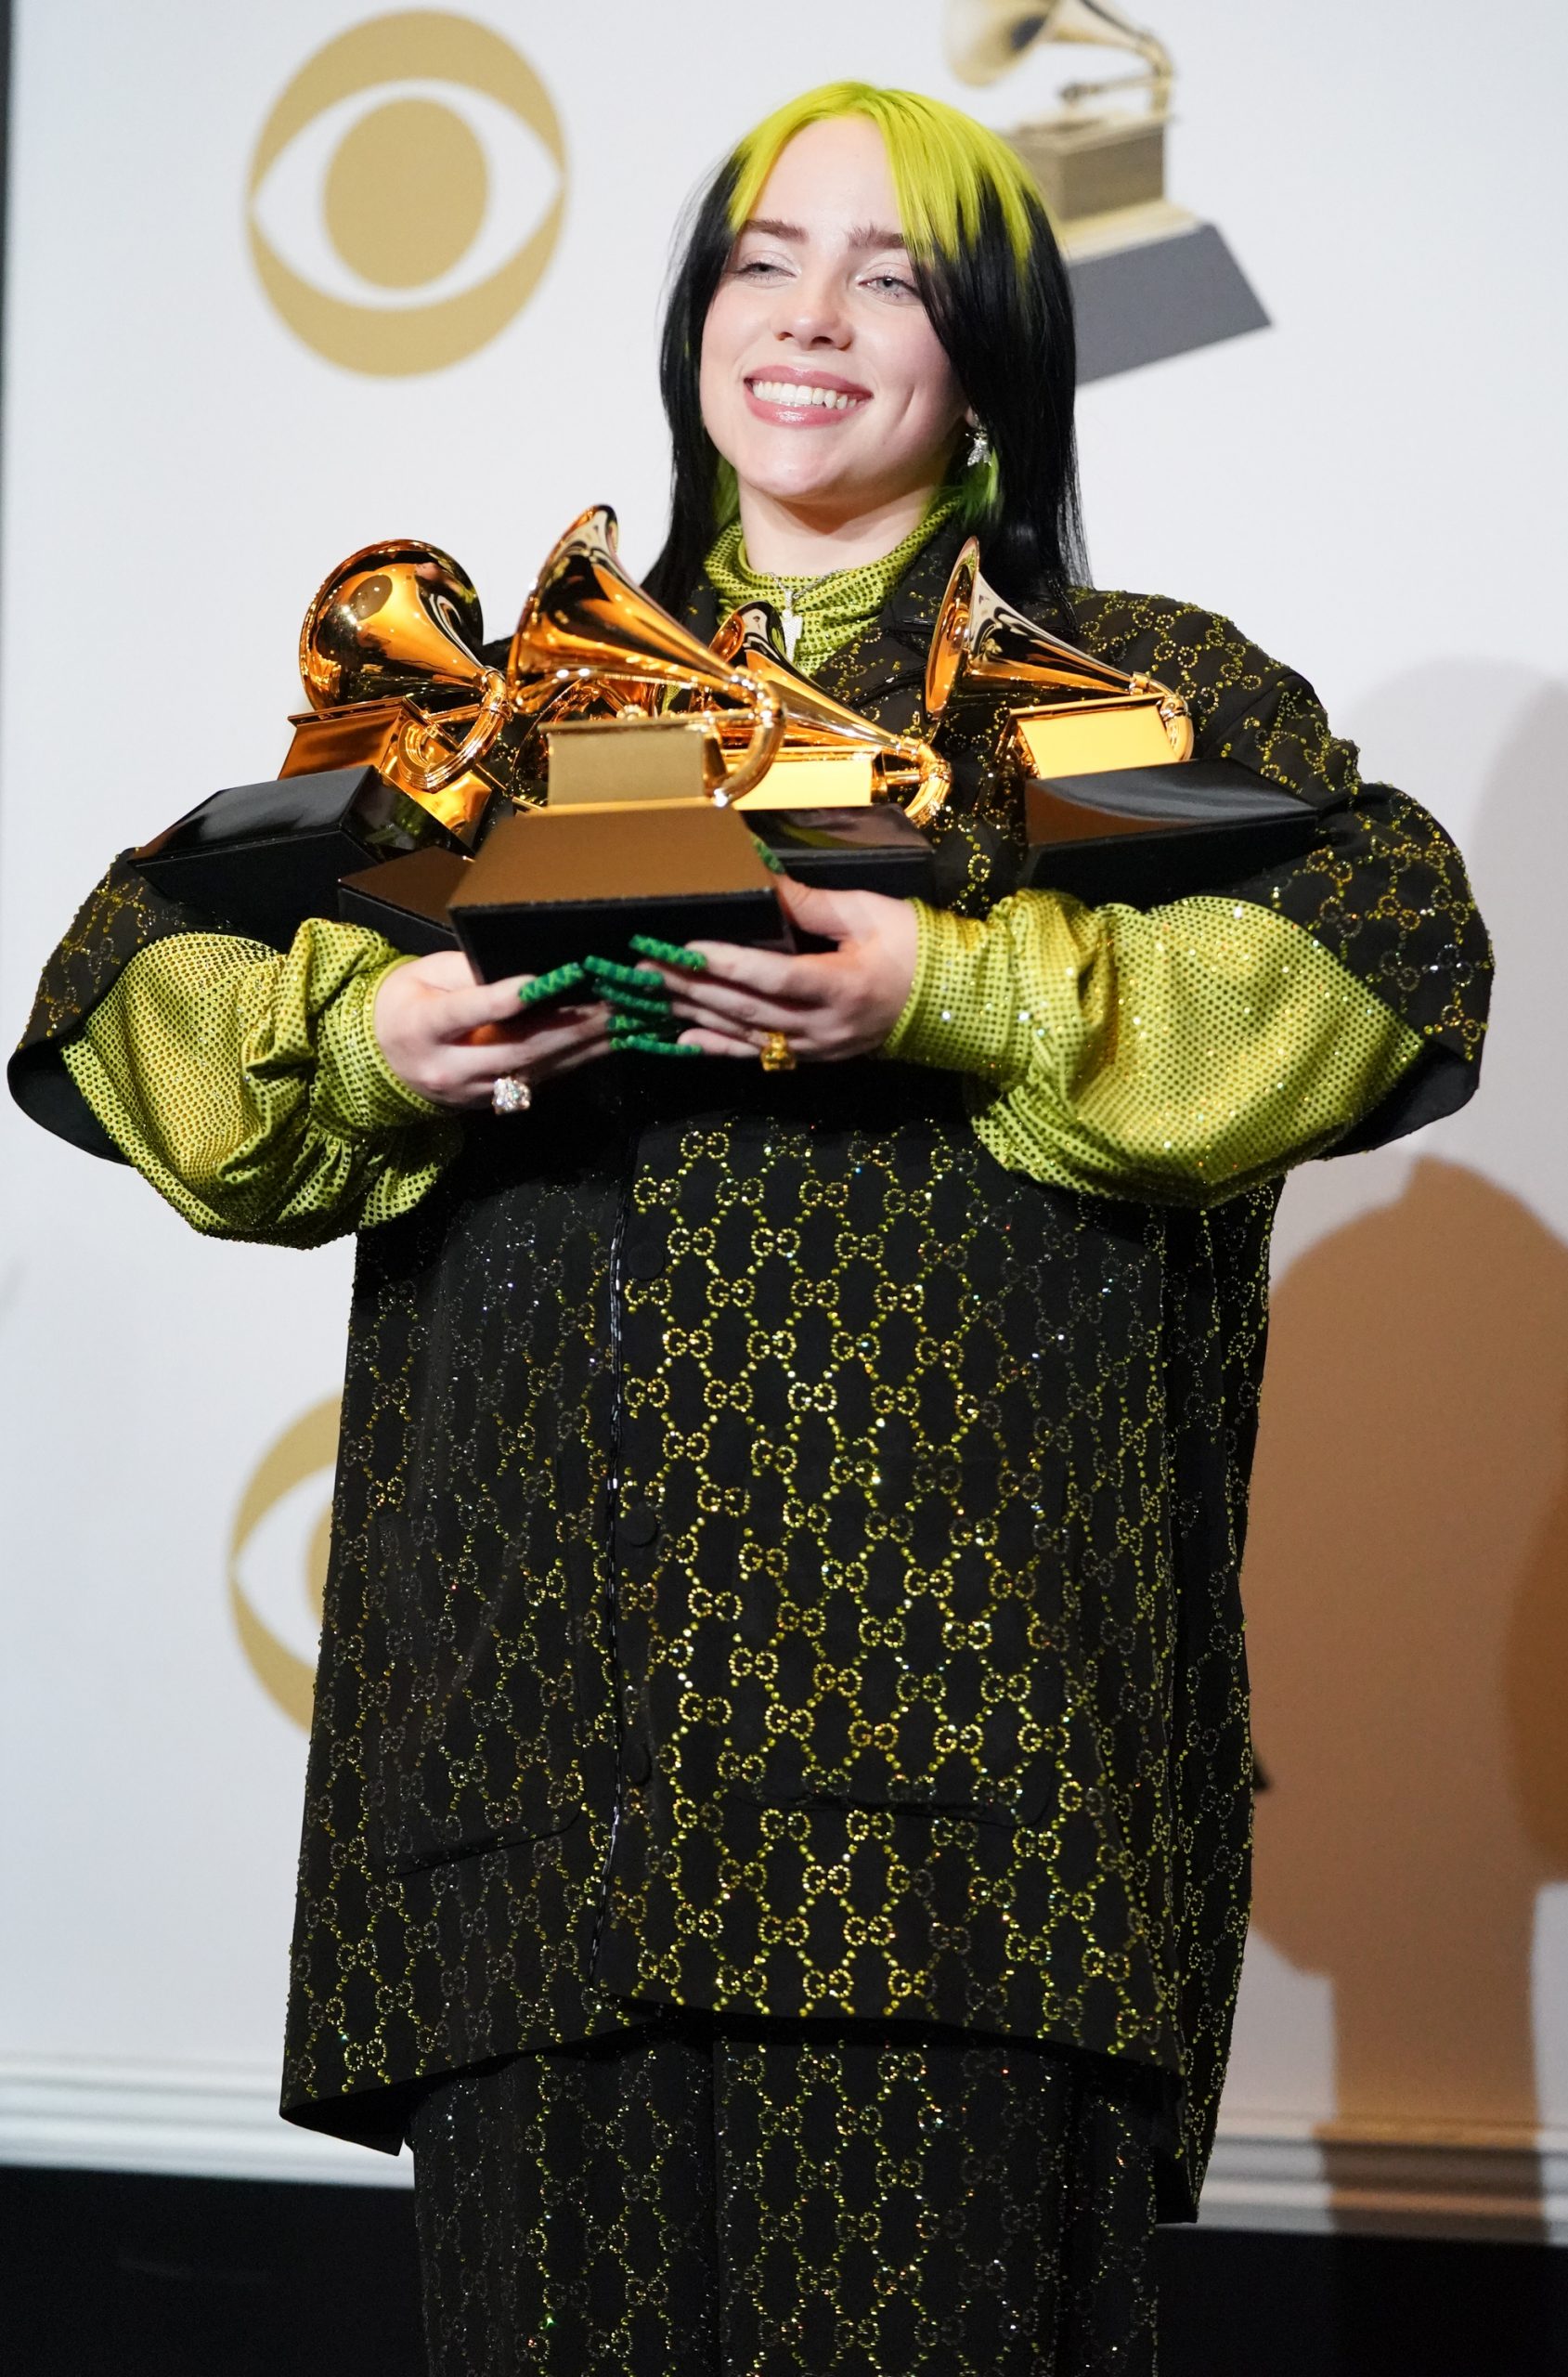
(980, 449)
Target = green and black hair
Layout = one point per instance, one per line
(989, 270)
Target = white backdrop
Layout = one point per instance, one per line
(1373, 487)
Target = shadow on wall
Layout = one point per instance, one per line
(1407, 1574)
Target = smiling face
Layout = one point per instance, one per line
(822, 381)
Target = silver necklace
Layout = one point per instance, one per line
(791, 620)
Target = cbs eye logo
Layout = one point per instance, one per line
(278, 1558)
(407, 192)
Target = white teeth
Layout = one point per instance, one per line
(801, 395)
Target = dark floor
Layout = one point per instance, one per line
(110, 2276)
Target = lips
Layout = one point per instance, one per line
(803, 399)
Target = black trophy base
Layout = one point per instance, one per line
(873, 848)
(551, 886)
(1143, 836)
(405, 900)
(1157, 298)
(261, 858)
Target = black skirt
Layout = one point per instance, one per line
(767, 2199)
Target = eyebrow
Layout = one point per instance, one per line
(866, 235)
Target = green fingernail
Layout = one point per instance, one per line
(631, 1018)
(645, 1045)
(633, 1003)
(634, 984)
(668, 953)
(631, 1028)
(770, 858)
(550, 987)
(633, 977)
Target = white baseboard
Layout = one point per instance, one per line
(1455, 2181)
(1267, 2172)
(209, 2123)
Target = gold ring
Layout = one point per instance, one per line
(511, 1094)
(777, 1055)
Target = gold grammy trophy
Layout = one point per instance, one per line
(590, 639)
(831, 757)
(1100, 164)
(390, 664)
(1067, 713)
(1116, 806)
(633, 830)
(399, 756)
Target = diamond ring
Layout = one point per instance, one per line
(511, 1094)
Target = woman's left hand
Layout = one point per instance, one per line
(841, 1004)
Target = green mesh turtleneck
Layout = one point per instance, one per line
(831, 608)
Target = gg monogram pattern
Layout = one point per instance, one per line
(770, 2201)
(786, 1559)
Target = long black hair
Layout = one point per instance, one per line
(997, 294)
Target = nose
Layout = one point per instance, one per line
(813, 313)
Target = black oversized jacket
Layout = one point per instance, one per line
(784, 1561)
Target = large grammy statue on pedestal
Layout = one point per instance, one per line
(1149, 279)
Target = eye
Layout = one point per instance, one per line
(406, 193)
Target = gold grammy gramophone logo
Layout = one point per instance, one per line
(1150, 281)
(407, 192)
(278, 1558)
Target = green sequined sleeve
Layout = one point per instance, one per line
(1175, 1056)
(249, 1088)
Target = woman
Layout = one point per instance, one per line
(777, 1827)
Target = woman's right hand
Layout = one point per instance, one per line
(451, 1037)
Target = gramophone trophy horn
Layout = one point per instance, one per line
(1066, 712)
(390, 665)
(588, 625)
(821, 732)
(392, 619)
(985, 38)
